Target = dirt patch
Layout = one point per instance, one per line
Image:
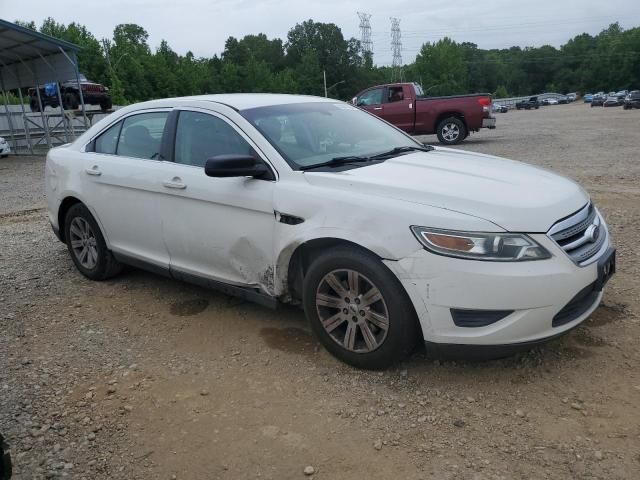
(291, 340)
(186, 308)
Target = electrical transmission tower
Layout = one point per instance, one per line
(365, 32)
(396, 43)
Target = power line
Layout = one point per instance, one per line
(510, 26)
(396, 43)
(365, 32)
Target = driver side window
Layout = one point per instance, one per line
(200, 136)
(371, 97)
(395, 94)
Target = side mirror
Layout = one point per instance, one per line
(235, 165)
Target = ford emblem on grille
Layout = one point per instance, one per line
(592, 233)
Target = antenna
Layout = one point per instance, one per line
(365, 32)
(396, 43)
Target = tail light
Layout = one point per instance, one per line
(486, 104)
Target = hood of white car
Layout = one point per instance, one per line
(516, 196)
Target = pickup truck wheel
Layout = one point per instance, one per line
(358, 309)
(451, 131)
(86, 245)
(105, 104)
(71, 101)
(34, 105)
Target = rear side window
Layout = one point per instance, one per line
(108, 141)
(200, 136)
(141, 135)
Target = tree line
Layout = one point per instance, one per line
(135, 72)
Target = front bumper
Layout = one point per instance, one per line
(489, 123)
(535, 292)
(5, 149)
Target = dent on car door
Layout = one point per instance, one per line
(216, 228)
(124, 172)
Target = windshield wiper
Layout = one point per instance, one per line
(398, 150)
(337, 161)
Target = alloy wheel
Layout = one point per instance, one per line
(83, 242)
(450, 132)
(352, 311)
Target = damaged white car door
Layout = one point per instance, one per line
(217, 228)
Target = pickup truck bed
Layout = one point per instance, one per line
(452, 118)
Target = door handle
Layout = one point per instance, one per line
(175, 182)
(377, 108)
(95, 170)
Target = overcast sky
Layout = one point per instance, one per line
(202, 26)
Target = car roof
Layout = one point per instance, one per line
(241, 101)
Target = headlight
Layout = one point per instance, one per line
(497, 247)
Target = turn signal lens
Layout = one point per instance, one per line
(452, 243)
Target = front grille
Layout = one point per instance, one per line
(577, 306)
(581, 235)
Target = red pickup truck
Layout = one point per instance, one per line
(405, 106)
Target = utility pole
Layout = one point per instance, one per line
(365, 32)
(396, 44)
(324, 76)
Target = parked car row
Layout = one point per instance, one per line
(626, 98)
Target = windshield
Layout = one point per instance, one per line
(308, 134)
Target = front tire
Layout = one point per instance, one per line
(451, 131)
(71, 101)
(86, 245)
(358, 309)
(106, 104)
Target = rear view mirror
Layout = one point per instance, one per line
(235, 165)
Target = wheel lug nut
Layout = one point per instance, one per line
(358, 301)
(347, 299)
(362, 313)
(354, 319)
(345, 311)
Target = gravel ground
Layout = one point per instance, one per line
(145, 377)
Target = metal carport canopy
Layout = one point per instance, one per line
(28, 57)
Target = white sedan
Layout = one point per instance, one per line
(5, 149)
(384, 241)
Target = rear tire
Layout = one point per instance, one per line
(86, 245)
(379, 327)
(34, 105)
(451, 131)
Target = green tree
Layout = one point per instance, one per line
(441, 66)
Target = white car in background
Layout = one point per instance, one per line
(384, 241)
(5, 149)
